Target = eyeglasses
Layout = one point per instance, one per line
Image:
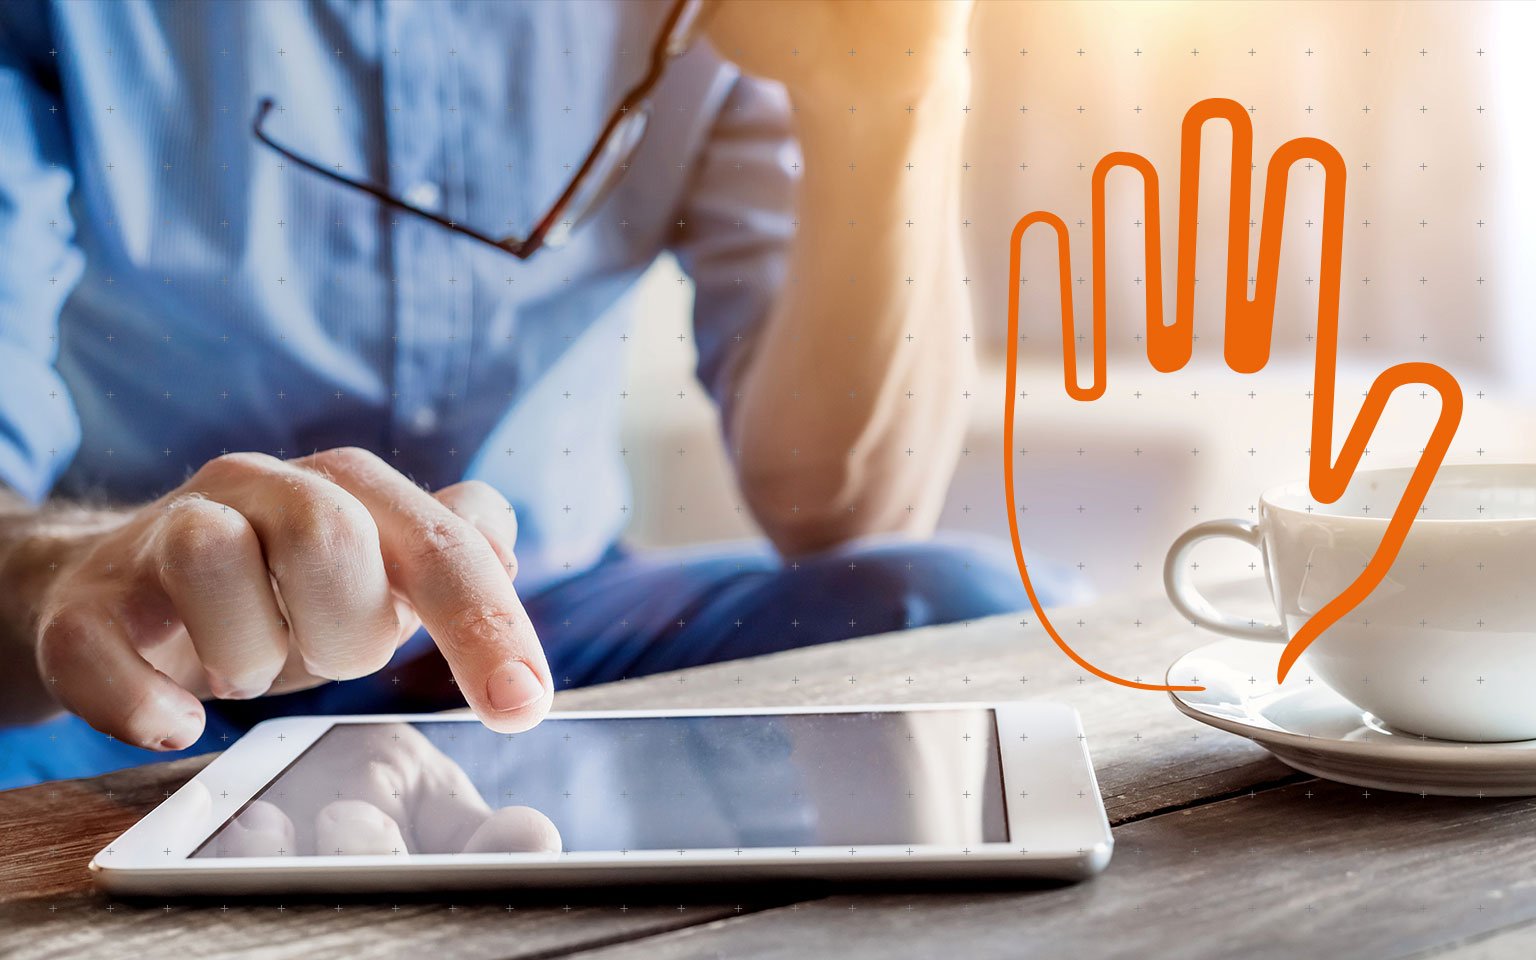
(603, 167)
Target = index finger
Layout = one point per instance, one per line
(450, 574)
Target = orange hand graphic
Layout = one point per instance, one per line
(1249, 324)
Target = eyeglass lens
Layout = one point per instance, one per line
(607, 169)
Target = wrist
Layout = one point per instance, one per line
(30, 563)
(36, 550)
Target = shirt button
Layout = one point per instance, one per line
(424, 420)
(424, 194)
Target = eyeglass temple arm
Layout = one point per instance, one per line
(661, 54)
(513, 245)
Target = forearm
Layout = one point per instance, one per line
(35, 544)
(848, 415)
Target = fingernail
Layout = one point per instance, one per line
(513, 686)
(185, 733)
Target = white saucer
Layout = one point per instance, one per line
(1309, 727)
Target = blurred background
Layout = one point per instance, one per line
(1429, 105)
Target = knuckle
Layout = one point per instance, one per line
(484, 628)
(321, 523)
(197, 534)
(349, 460)
(235, 468)
(439, 541)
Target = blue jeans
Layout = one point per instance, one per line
(633, 614)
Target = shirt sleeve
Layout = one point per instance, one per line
(39, 263)
(738, 217)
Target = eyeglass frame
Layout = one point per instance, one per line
(678, 31)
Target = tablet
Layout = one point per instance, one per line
(438, 802)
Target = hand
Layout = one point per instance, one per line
(380, 789)
(260, 575)
(898, 46)
(1249, 328)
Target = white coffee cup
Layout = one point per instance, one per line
(1445, 646)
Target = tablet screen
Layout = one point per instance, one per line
(632, 783)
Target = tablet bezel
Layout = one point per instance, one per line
(1056, 822)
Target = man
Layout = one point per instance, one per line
(257, 429)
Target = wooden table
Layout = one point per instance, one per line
(1220, 850)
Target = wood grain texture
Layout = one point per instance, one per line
(84, 925)
(50, 832)
(1312, 869)
(1149, 760)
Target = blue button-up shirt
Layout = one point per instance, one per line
(171, 289)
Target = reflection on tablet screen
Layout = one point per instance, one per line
(634, 783)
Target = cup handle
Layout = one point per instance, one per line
(1192, 603)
